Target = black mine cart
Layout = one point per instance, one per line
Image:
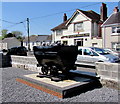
(56, 59)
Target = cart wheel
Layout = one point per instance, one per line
(44, 69)
(65, 71)
(54, 71)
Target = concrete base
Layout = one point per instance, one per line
(66, 88)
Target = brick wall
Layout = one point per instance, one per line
(109, 74)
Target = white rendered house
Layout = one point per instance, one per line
(83, 28)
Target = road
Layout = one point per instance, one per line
(13, 91)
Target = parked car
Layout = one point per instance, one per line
(21, 51)
(1, 52)
(90, 55)
(116, 53)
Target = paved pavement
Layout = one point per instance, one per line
(13, 91)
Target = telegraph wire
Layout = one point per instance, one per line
(24, 26)
(13, 25)
(16, 24)
(63, 11)
(7, 21)
(22, 22)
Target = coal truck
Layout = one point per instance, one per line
(56, 61)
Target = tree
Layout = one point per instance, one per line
(0, 37)
(10, 35)
(17, 34)
(4, 33)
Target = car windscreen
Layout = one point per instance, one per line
(100, 51)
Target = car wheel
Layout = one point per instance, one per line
(100, 61)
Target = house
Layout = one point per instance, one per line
(37, 40)
(83, 28)
(111, 30)
(3, 45)
(8, 43)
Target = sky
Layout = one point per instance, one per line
(43, 16)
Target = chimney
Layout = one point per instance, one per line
(103, 12)
(64, 17)
(116, 10)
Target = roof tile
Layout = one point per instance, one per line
(113, 19)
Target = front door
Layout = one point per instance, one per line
(79, 42)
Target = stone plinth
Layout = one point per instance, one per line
(62, 89)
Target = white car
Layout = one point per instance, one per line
(116, 53)
(1, 52)
(90, 55)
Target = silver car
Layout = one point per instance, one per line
(1, 52)
(116, 53)
(90, 55)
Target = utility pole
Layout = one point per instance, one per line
(28, 31)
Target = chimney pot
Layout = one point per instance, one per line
(64, 17)
(103, 12)
(116, 10)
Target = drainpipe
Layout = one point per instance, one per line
(104, 41)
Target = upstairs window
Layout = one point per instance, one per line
(116, 29)
(59, 32)
(78, 26)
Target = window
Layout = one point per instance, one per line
(38, 43)
(80, 51)
(94, 44)
(100, 51)
(87, 52)
(65, 42)
(59, 32)
(90, 53)
(116, 46)
(94, 54)
(32, 43)
(116, 29)
(78, 26)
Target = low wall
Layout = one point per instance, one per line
(108, 73)
(25, 62)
